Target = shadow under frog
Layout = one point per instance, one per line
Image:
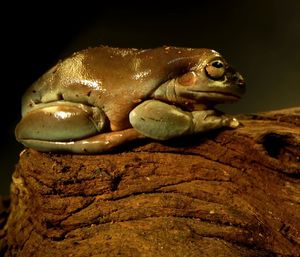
(102, 97)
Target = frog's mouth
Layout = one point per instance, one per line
(219, 94)
(212, 96)
(231, 89)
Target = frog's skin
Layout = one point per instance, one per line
(102, 97)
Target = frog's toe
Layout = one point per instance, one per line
(61, 122)
(234, 123)
(230, 122)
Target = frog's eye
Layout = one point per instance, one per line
(215, 69)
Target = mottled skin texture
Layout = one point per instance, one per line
(102, 97)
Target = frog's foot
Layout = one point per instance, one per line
(210, 119)
(95, 144)
(163, 121)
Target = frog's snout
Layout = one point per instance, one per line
(240, 83)
(240, 80)
(235, 82)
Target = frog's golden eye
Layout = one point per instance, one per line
(215, 69)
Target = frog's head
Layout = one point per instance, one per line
(212, 80)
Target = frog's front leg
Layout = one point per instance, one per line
(162, 121)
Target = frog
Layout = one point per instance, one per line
(103, 97)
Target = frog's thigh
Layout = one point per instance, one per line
(159, 120)
(60, 122)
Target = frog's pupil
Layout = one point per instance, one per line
(217, 64)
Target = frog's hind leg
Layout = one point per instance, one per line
(95, 144)
(70, 127)
(60, 122)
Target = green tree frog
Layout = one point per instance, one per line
(102, 97)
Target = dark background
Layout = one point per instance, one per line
(261, 38)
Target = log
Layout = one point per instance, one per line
(4, 212)
(225, 193)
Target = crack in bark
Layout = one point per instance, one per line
(106, 218)
(26, 240)
(79, 209)
(285, 231)
(250, 244)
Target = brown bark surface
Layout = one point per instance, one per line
(226, 193)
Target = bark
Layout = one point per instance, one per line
(225, 193)
(4, 212)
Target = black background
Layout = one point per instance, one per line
(260, 38)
